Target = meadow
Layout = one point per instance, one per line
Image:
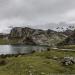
(37, 63)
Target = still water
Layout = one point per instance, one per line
(16, 49)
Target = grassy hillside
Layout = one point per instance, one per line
(3, 41)
(67, 47)
(10, 41)
(37, 64)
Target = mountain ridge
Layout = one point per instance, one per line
(28, 35)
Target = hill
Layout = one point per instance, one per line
(70, 40)
(36, 36)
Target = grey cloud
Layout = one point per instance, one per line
(33, 8)
(34, 11)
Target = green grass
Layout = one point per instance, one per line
(3, 41)
(37, 64)
(10, 41)
(68, 46)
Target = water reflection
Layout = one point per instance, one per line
(16, 49)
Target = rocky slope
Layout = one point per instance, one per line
(70, 40)
(36, 36)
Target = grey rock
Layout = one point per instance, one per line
(36, 36)
(68, 61)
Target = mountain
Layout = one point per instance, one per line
(68, 32)
(36, 36)
(70, 40)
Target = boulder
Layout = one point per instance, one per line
(68, 61)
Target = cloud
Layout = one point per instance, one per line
(34, 12)
(69, 15)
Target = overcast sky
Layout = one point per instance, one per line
(34, 12)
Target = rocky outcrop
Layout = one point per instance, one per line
(36, 36)
(68, 32)
(68, 61)
(70, 40)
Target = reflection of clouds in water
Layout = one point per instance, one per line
(5, 49)
(16, 49)
(20, 49)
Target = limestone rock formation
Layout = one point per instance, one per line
(36, 36)
(70, 40)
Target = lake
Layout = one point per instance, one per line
(20, 49)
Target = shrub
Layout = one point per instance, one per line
(3, 62)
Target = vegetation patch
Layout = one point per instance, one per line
(38, 63)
